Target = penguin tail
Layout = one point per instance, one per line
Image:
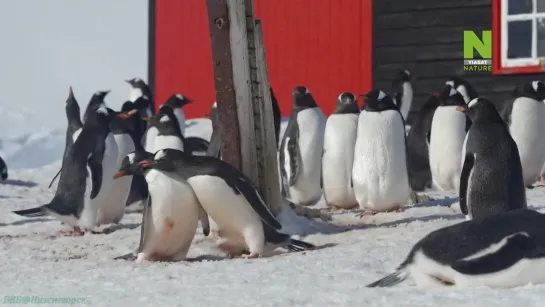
(285, 241)
(391, 280)
(294, 245)
(33, 212)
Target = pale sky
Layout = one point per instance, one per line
(46, 46)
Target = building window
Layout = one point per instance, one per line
(519, 36)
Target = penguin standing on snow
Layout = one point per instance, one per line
(418, 145)
(244, 221)
(169, 134)
(446, 139)
(491, 178)
(338, 153)
(86, 176)
(463, 87)
(380, 174)
(75, 125)
(403, 97)
(170, 220)
(300, 150)
(503, 250)
(525, 119)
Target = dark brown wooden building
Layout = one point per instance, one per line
(426, 37)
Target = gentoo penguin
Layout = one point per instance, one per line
(525, 119)
(139, 88)
(276, 116)
(177, 102)
(170, 221)
(403, 89)
(446, 138)
(244, 221)
(463, 87)
(3, 169)
(417, 145)
(301, 148)
(502, 250)
(87, 175)
(214, 146)
(491, 178)
(96, 102)
(113, 209)
(380, 174)
(338, 153)
(168, 131)
(73, 129)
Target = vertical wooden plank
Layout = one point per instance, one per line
(266, 143)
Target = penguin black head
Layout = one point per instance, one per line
(533, 90)
(401, 77)
(164, 159)
(95, 102)
(451, 97)
(178, 101)
(481, 110)
(466, 90)
(130, 164)
(137, 83)
(100, 117)
(72, 107)
(165, 121)
(377, 101)
(302, 98)
(346, 103)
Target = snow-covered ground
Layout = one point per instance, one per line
(353, 252)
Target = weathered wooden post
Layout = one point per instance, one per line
(245, 116)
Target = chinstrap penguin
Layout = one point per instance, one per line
(338, 153)
(380, 174)
(503, 250)
(491, 179)
(446, 140)
(403, 90)
(300, 150)
(171, 216)
(525, 117)
(245, 223)
(463, 87)
(86, 175)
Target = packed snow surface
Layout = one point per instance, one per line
(37, 261)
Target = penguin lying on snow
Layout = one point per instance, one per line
(491, 178)
(525, 117)
(171, 216)
(245, 222)
(338, 153)
(501, 251)
(85, 180)
(463, 87)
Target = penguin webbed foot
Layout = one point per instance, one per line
(529, 187)
(250, 256)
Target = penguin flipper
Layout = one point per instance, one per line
(32, 212)
(469, 161)
(54, 177)
(246, 188)
(146, 218)
(397, 100)
(95, 165)
(205, 222)
(294, 160)
(390, 280)
(517, 246)
(322, 171)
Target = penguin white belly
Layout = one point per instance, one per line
(338, 158)
(306, 190)
(379, 173)
(446, 144)
(88, 219)
(113, 209)
(527, 129)
(174, 218)
(179, 113)
(134, 94)
(406, 99)
(236, 220)
(149, 139)
(168, 141)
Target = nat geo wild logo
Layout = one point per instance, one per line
(480, 45)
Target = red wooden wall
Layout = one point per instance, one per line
(322, 44)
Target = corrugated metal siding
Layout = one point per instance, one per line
(322, 44)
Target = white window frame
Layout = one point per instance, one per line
(532, 61)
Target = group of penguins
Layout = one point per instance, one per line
(137, 160)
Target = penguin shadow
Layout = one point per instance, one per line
(20, 183)
(442, 202)
(27, 221)
(202, 258)
(108, 230)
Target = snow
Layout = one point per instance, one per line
(352, 252)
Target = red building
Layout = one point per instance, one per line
(350, 45)
(322, 44)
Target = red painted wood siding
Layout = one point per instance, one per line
(322, 44)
